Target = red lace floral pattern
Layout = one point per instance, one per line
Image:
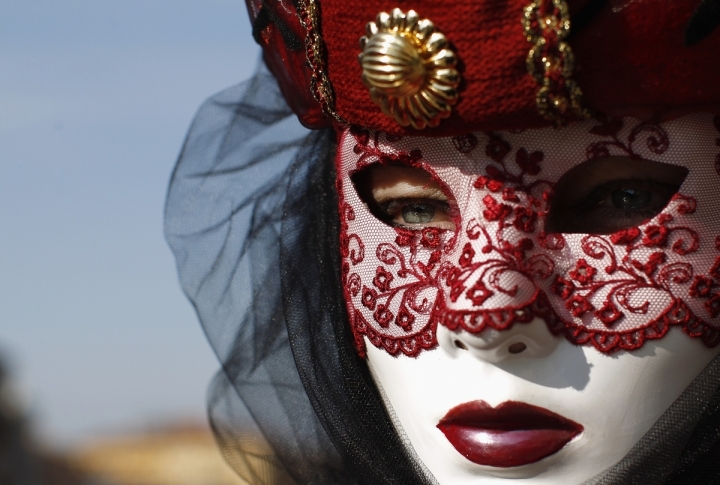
(500, 268)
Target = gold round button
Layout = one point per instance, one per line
(409, 69)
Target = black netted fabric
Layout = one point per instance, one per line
(338, 382)
(252, 219)
(699, 462)
(293, 402)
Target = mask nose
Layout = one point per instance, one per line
(491, 284)
(529, 340)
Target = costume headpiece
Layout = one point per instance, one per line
(489, 65)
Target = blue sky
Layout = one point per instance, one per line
(95, 100)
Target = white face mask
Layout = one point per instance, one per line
(521, 334)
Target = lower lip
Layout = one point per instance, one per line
(513, 434)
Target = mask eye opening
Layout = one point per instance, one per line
(606, 195)
(407, 197)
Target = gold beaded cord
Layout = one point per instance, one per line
(551, 62)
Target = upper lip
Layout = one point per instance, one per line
(508, 415)
(511, 434)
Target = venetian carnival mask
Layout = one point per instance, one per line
(531, 302)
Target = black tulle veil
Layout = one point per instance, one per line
(252, 219)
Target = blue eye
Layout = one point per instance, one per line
(403, 196)
(418, 213)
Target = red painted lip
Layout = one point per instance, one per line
(512, 434)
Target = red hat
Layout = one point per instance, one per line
(475, 65)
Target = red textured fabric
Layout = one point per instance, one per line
(630, 61)
(288, 63)
(488, 39)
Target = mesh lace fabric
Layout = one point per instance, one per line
(252, 219)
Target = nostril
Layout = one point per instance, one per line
(460, 345)
(526, 341)
(517, 347)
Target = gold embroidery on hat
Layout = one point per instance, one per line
(551, 61)
(409, 69)
(320, 86)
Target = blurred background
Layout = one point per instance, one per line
(103, 365)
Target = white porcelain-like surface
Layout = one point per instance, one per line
(616, 398)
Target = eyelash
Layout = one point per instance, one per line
(392, 209)
(590, 214)
(591, 200)
(396, 204)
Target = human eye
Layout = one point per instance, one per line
(416, 212)
(607, 195)
(405, 196)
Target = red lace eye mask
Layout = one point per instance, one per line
(500, 267)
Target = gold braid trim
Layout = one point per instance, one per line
(551, 62)
(315, 51)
